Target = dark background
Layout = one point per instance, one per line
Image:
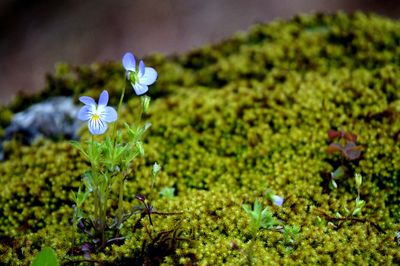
(35, 34)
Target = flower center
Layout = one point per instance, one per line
(133, 77)
(95, 117)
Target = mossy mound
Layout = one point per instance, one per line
(229, 122)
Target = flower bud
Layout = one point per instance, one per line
(156, 169)
(358, 178)
(145, 101)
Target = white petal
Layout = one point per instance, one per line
(85, 113)
(109, 114)
(103, 100)
(140, 88)
(149, 77)
(87, 100)
(129, 62)
(97, 126)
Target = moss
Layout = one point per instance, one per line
(230, 121)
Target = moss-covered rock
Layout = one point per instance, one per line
(230, 121)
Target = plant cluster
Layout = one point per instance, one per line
(349, 151)
(110, 160)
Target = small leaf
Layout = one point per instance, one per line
(352, 152)
(46, 257)
(333, 134)
(334, 147)
(88, 180)
(139, 146)
(356, 211)
(350, 136)
(167, 192)
(247, 208)
(146, 126)
(332, 184)
(339, 172)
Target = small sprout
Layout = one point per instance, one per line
(338, 215)
(319, 221)
(290, 234)
(167, 192)
(259, 218)
(359, 205)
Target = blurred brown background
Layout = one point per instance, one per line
(35, 34)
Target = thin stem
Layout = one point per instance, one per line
(96, 189)
(118, 111)
(120, 199)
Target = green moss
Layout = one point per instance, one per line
(229, 122)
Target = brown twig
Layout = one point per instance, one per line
(351, 219)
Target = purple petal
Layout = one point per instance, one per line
(140, 88)
(141, 68)
(109, 114)
(278, 201)
(129, 62)
(103, 100)
(87, 100)
(149, 77)
(97, 126)
(85, 113)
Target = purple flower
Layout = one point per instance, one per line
(97, 115)
(278, 201)
(140, 79)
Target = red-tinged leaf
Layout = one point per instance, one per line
(333, 134)
(334, 147)
(350, 136)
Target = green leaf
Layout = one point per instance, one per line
(247, 208)
(332, 184)
(140, 148)
(88, 180)
(167, 192)
(257, 207)
(78, 146)
(46, 257)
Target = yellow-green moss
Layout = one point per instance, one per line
(230, 121)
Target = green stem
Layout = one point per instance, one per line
(118, 111)
(96, 190)
(104, 214)
(120, 199)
